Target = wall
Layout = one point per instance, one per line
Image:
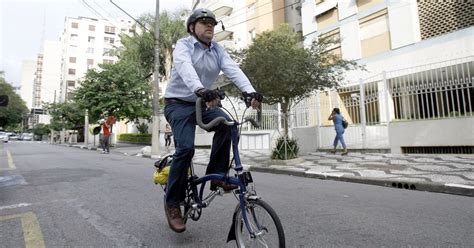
(432, 133)
(306, 138)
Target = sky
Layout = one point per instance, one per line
(25, 23)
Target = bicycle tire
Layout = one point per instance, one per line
(259, 212)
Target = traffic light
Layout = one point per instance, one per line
(3, 101)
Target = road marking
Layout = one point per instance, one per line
(459, 185)
(11, 165)
(19, 205)
(31, 229)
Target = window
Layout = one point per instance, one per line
(374, 33)
(74, 25)
(71, 83)
(72, 59)
(108, 61)
(91, 39)
(91, 28)
(109, 30)
(72, 71)
(109, 40)
(252, 34)
(74, 37)
(251, 9)
(107, 52)
(335, 48)
(327, 18)
(72, 48)
(90, 50)
(318, 1)
(90, 63)
(366, 4)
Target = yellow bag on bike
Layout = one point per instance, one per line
(161, 177)
(163, 170)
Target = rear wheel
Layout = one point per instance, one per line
(263, 222)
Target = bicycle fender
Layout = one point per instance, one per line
(231, 235)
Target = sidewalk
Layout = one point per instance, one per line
(444, 173)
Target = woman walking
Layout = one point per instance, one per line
(338, 120)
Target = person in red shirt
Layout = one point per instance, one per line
(106, 130)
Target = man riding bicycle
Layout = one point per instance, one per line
(197, 62)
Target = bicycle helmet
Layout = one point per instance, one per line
(199, 14)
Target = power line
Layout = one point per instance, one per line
(284, 7)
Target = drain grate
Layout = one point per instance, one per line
(438, 149)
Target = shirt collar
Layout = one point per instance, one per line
(200, 44)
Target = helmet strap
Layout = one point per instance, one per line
(197, 38)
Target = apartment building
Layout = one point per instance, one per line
(40, 81)
(417, 90)
(86, 43)
(28, 68)
(243, 20)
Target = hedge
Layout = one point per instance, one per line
(135, 138)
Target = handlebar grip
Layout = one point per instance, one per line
(251, 120)
(212, 123)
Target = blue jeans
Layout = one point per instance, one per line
(339, 137)
(182, 118)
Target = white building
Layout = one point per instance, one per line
(417, 93)
(51, 73)
(86, 43)
(28, 69)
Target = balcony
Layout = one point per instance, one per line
(222, 35)
(222, 8)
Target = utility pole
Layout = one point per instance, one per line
(86, 128)
(155, 136)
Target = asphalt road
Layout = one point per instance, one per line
(68, 197)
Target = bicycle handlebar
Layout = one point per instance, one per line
(212, 123)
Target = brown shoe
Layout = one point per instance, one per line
(227, 187)
(175, 219)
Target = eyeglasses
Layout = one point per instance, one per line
(207, 21)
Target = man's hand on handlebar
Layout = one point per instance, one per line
(252, 99)
(210, 97)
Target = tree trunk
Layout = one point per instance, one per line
(168, 64)
(286, 118)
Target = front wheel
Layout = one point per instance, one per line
(264, 224)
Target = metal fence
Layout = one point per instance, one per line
(432, 91)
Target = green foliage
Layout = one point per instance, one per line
(135, 138)
(142, 128)
(285, 149)
(116, 88)
(11, 115)
(40, 130)
(68, 115)
(139, 48)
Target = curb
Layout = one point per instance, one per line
(456, 189)
(464, 190)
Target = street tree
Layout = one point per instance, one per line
(285, 72)
(40, 130)
(12, 114)
(138, 48)
(117, 88)
(67, 115)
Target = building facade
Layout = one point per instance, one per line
(86, 43)
(418, 81)
(28, 69)
(243, 20)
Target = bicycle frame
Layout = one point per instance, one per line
(241, 180)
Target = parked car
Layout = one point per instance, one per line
(26, 136)
(4, 137)
(13, 136)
